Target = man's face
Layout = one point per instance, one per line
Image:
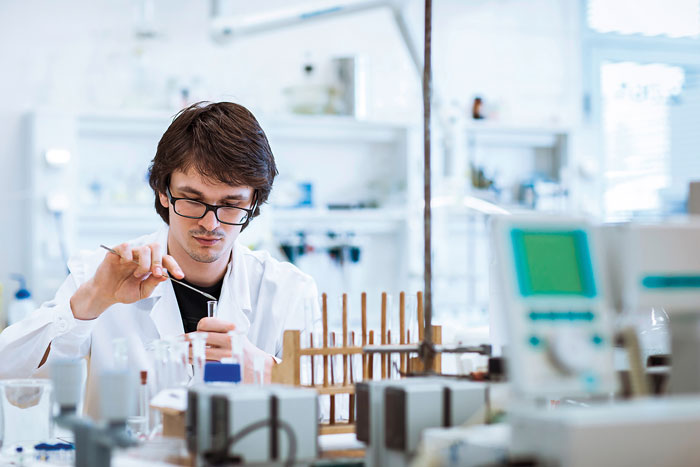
(205, 240)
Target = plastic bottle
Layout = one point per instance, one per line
(22, 304)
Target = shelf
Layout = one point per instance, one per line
(313, 128)
(335, 129)
(495, 134)
(380, 220)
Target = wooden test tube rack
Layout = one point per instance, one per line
(289, 370)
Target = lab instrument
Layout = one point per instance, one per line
(657, 265)
(648, 265)
(210, 297)
(625, 434)
(269, 424)
(211, 308)
(93, 441)
(552, 295)
(392, 414)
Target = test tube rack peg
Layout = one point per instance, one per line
(289, 370)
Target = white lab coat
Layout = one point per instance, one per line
(260, 295)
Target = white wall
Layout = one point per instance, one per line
(81, 54)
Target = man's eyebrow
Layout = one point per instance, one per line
(189, 190)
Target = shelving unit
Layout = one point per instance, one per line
(510, 155)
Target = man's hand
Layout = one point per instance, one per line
(219, 346)
(119, 280)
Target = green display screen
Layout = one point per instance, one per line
(553, 262)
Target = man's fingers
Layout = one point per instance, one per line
(215, 339)
(150, 284)
(125, 253)
(144, 259)
(172, 267)
(156, 260)
(217, 354)
(215, 325)
(219, 340)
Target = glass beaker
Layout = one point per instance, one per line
(27, 406)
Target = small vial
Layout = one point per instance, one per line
(139, 422)
(211, 308)
(199, 355)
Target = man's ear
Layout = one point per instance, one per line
(163, 200)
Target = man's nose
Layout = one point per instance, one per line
(209, 221)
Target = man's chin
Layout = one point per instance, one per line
(206, 256)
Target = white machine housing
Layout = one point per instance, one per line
(218, 411)
(552, 299)
(658, 265)
(655, 264)
(624, 434)
(393, 414)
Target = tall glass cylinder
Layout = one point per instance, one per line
(199, 356)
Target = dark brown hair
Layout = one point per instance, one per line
(219, 140)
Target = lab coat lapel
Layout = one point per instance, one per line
(234, 301)
(166, 312)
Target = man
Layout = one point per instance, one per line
(212, 171)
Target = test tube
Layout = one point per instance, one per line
(199, 356)
(139, 423)
(211, 308)
(259, 369)
(160, 364)
(237, 349)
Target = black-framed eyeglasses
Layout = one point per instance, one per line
(193, 209)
